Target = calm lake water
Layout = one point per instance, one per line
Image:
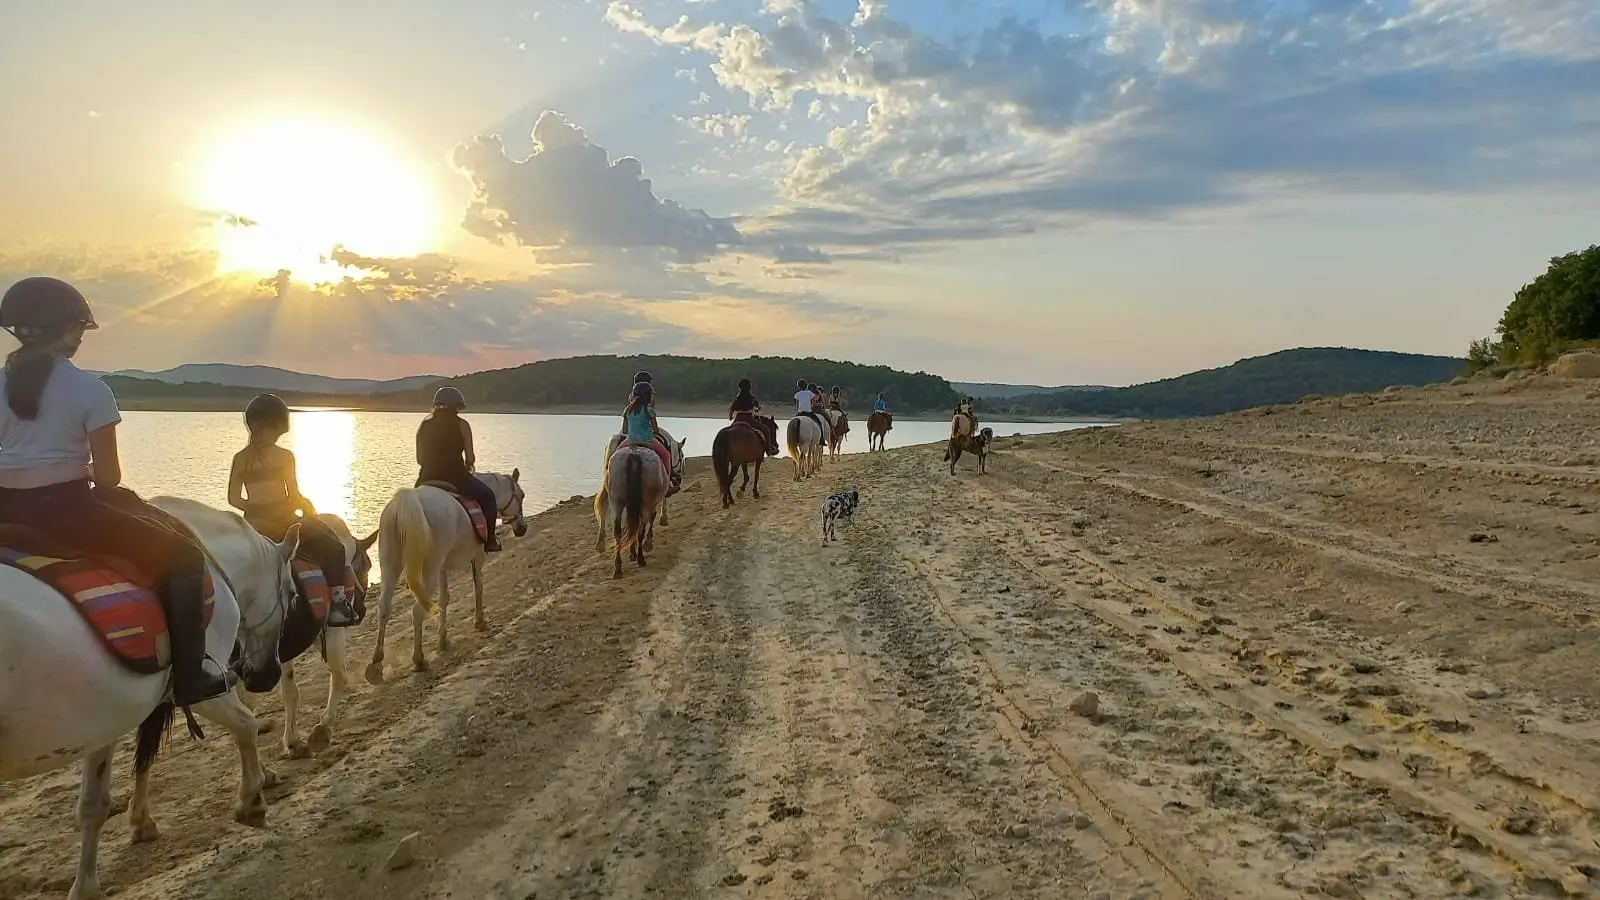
(350, 463)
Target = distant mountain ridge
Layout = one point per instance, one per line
(989, 390)
(1283, 377)
(270, 378)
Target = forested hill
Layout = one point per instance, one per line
(1282, 377)
(604, 380)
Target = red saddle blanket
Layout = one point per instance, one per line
(115, 600)
(480, 522)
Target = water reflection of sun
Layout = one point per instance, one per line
(324, 447)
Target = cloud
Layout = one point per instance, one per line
(396, 316)
(568, 194)
(1151, 108)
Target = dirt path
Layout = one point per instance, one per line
(1258, 656)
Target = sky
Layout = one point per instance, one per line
(1026, 191)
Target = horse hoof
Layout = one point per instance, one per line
(269, 779)
(298, 750)
(255, 816)
(480, 624)
(419, 664)
(265, 725)
(144, 832)
(321, 738)
(87, 893)
(375, 673)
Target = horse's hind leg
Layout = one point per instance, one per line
(141, 825)
(94, 807)
(444, 610)
(336, 643)
(228, 712)
(616, 537)
(755, 490)
(600, 520)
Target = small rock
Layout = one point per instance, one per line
(1478, 694)
(1576, 884)
(1082, 822)
(405, 852)
(1467, 888)
(1315, 615)
(1482, 537)
(1019, 830)
(1087, 704)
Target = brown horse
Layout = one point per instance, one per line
(878, 425)
(737, 446)
(977, 444)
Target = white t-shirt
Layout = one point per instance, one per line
(802, 400)
(54, 447)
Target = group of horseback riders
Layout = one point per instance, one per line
(61, 475)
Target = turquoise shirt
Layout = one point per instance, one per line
(639, 425)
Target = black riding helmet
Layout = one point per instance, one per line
(801, 384)
(41, 306)
(266, 411)
(448, 398)
(744, 385)
(643, 376)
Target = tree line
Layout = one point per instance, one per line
(1555, 312)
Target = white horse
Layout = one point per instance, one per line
(674, 450)
(63, 697)
(807, 438)
(838, 429)
(334, 643)
(425, 533)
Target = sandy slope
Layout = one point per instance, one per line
(1311, 681)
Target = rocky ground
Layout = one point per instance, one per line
(1345, 648)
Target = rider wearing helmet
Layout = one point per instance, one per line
(639, 424)
(445, 453)
(805, 400)
(59, 468)
(745, 405)
(263, 486)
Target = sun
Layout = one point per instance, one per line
(288, 191)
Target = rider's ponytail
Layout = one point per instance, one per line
(28, 369)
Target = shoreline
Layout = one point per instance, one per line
(687, 410)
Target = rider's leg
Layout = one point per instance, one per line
(319, 544)
(74, 514)
(484, 495)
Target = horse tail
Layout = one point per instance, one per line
(720, 456)
(794, 437)
(416, 539)
(633, 502)
(152, 731)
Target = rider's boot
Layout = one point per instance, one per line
(492, 545)
(192, 682)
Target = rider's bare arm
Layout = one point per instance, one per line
(103, 455)
(466, 441)
(236, 483)
(292, 481)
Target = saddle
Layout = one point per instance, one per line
(480, 521)
(116, 598)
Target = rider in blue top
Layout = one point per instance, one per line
(879, 405)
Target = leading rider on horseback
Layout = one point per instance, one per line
(445, 453)
(744, 407)
(59, 468)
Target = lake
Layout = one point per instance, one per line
(351, 463)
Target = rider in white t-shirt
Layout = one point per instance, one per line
(802, 397)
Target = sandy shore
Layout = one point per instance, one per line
(1341, 649)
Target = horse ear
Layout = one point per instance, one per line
(366, 543)
(515, 474)
(291, 542)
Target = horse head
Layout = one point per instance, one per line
(768, 426)
(508, 499)
(265, 594)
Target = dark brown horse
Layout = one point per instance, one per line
(737, 446)
(878, 425)
(977, 444)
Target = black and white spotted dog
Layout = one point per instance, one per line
(838, 506)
